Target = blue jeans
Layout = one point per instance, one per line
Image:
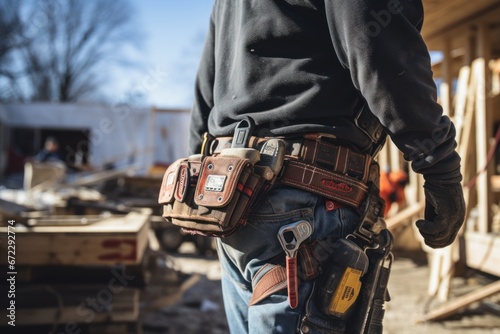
(245, 255)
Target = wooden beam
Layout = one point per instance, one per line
(441, 272)
(394, 157)
(451, 18)
(100, 177)
(470, 46)
(405, 214)
(383, 156)
(484, 127)
(460, 100)
(495, 80)
(464, 136)
(461, 302)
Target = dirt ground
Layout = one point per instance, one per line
(200, 309)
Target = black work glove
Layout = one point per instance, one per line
(444, 209)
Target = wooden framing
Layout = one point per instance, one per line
(445, 18)
(468, 35)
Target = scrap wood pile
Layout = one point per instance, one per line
(86, 256)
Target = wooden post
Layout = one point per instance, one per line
(461, 99)
(441, 271)
(469, 47)
(394, 153)
(412, 191)
(383, 158)
(495, 80)
(484, 128)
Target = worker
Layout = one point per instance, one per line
(338, 74)
(50, 151)
(392, 188)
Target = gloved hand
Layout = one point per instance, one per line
(444, 209)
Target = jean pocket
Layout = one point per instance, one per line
(283, 199)
(256, 243)
(349, 219)
(280, 218)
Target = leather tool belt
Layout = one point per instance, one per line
(212, 193)
(315, 164)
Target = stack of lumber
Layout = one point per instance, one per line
(79, 304)
(109, 241)
(80, 273)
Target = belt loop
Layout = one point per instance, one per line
(341, 161)
(311, 157)
(253, 142)
(308, 175)
(316, 149)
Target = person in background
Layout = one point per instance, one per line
(50, 151)
(392, 188)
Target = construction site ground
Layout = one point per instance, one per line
(199, 309)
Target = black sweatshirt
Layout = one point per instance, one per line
(299, 66)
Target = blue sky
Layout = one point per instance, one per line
(173, 34)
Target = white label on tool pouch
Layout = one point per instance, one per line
(269, 149)
(170, 178)
(215, 182)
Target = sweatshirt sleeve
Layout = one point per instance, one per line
(379, 43)
(203, 96)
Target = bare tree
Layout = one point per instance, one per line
(72, 46)
(10, 27)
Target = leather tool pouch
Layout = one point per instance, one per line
(209, 195)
